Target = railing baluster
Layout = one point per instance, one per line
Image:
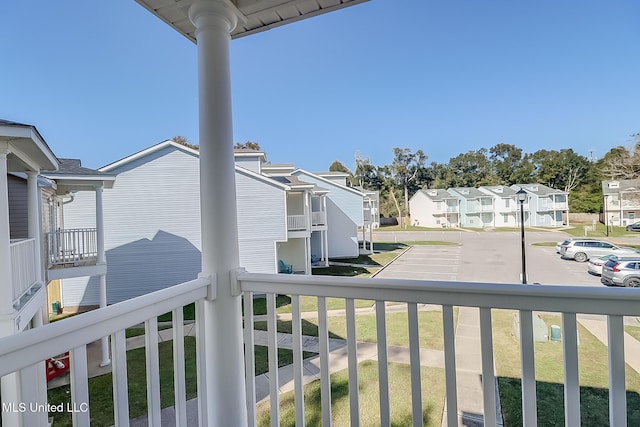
(296, 329)
(249, 358)
(527, 351)
(571, 377)
(325, 373)
(488, 376)
(383, 365)
(179, 383)
(450, 365)
(119, 374)
(79, 379)
(153, 371)
(617, 387)
(272, 334)
(414, 358)
(352, 355)
(201, 354)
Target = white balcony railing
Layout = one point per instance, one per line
(318, 218)
(24, 267)
(20, 351)
(567, 300)
(296, 222)
(73, 246)
(23, 350)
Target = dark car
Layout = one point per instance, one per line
(634, 227)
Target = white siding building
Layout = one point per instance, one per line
(345, 213)
(434, 208)
(152, 223)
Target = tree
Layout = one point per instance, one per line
(405, 167)
(562, 169)
(178, 139)
(249, 145)
(366, 175)
(471, 169)
(338, 166)
(509, 165)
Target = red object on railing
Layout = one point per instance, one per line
(57, 366)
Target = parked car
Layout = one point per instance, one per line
(634, 227)
(583, 249)
(594, 266)
(624, 271)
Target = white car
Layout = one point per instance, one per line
(595, 264)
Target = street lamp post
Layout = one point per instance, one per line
(522, 196)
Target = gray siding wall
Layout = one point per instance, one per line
(344, 216)
(18, 215)
(152, 227)
(261, 222)
(251, 163)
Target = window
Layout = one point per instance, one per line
(506, 202)
(614, 184)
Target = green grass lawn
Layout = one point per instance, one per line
(429, 325)
(412, 228)
(634, 331)
(548, 244)
(593, 372)
(600, 232)
(101, 387)
(399, 389)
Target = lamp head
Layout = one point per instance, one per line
(521, 195)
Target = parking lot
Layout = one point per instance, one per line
(486, 257)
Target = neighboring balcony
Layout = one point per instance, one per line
(72, 253)
(366, 214)
(479, 208)
(297, 223)
(19, 352)
(319, 219)
(24, 268)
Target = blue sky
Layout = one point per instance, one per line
(102, 80)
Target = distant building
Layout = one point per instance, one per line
(488, 206)
(621, 202)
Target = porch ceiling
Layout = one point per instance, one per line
(254, 15)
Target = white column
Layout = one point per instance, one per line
(224, 383)
(10, 384)
(33, 213)
(101, 260)
(326, 245)
(6, 285)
